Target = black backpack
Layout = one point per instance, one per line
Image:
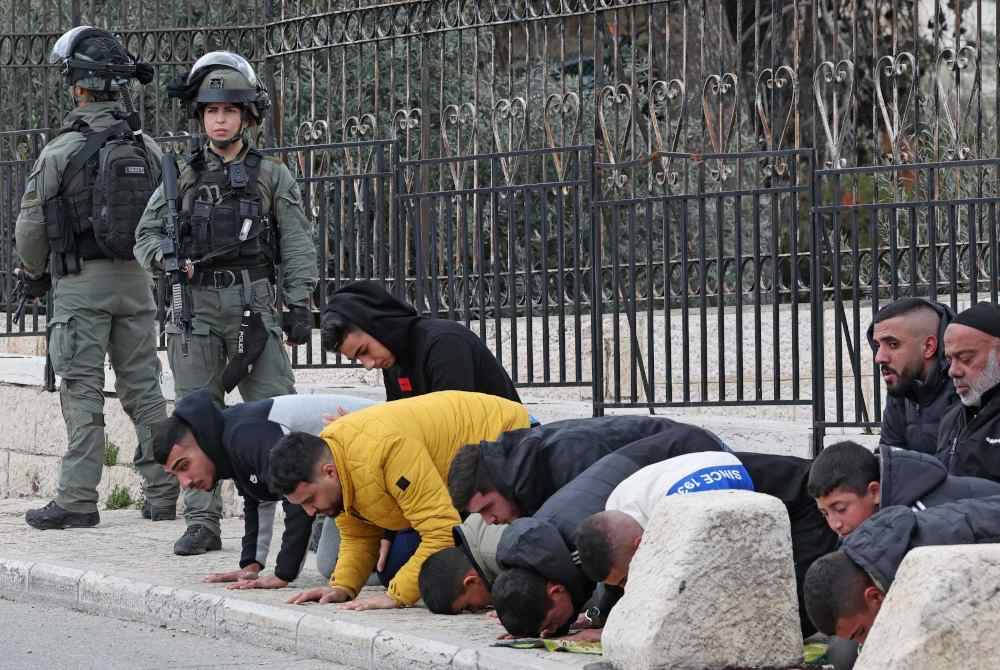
(121, 176)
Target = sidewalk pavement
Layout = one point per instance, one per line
(125, 568)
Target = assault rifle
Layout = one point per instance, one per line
(174, 268)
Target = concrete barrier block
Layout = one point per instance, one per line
(336, 640)
(259, 624)
(942, 611)
(55, 583)
(113, 596)
(33, 476)
(22, 404)
(14, 578)
(181, 608)
(399, 651)
(466, 659)
(711, 586)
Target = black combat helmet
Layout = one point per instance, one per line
(94, 59)
(222, 76)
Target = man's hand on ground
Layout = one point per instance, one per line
(266, 582)
(249, 572)
(321, 594)
(379, 602)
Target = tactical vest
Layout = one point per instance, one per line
(224, 222)
(102, 195)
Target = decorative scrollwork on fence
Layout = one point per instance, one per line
(838, 79)
(358, 160)
(458, 138)
(770, 82)
(510, 127)
(666, 99)
(898, 72)
(404, 124)
(953, 68)
(719, 101)
(561, 120)
(615, 137)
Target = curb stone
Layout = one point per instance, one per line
(349, 643)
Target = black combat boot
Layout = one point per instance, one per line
(158, 513)
(52, 516)
(197, 539)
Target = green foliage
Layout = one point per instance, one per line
(110, 452)
(119, 498)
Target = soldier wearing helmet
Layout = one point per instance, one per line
(75, 231)
(241, 216)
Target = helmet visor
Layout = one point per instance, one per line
(63, 48)
(228, 59)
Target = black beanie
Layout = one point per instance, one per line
(982, 316)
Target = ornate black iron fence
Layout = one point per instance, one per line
(705, 279)
(502, 243)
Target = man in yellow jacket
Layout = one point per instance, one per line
(384, 468)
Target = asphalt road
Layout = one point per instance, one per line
(46, 637)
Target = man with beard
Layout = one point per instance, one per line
(969, 439)
(906, 336)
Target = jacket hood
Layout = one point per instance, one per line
(367, 305)
(927, 391)
(879, 545)
(200, 412)
(907, 475)
(479, 542)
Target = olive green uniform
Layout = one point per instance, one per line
(217, 308)
(106, 310)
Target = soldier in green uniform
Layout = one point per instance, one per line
(240, 216)
(78, 214)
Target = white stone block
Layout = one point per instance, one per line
(943, 611)
(113, 596)
(180, 608)
(336, 640)
(256, 623)
(712, 585)
(14, 578)
(55, 583)
(399, 651)
(33, 476)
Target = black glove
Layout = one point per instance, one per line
(251, 343)
(297, 323)
(35, 288)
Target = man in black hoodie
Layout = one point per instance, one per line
(907, 337)
(850, 483)
(969, 438)
(416, 354)
(844, 590)
(515, 475)
(201, 444)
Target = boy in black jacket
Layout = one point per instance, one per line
(850, 483)
(202, 444)
(416, 354)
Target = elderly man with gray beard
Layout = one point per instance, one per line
(969, 437)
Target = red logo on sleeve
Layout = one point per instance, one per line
(404, 385)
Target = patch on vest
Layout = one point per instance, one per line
(993, 440)
(135, 169)
(403, 483)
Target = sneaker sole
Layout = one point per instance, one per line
(61, 526)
